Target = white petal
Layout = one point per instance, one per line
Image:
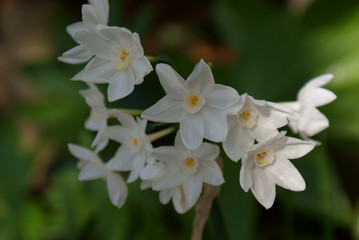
(121, 161)
(316, 82)
(96, 71)
(121, 85)
(295, 106)
(117, 189)
(165, 196)
(91, 15)
(171, 81)
(201, 79)
(172, 177)
(215, 124)
(167, 154)
(76, 55)
(165, 110)
(152, 171)
(221, 97)
(134, 175)
(192, 188)
(295, 148)
(140, 67)
(238, 141)
(312, 122)
(192, 130)
(121, 37)
(211, 173)
(206, 152)
(264, 129)
(92, 171)
(245, 175)
(126, 120)
(179, 201)
(101, 47)
(82, 153)
(263, 188)
(317, 97)
(285, 174)
(76, 27)
(118, 133)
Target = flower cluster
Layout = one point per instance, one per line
(249, 129)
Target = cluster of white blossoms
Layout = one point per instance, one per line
(199, 108)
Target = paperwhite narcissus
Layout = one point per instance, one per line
(311, 96)
(92, 167)
(97, 120)
(119, 60)
(135, 147)
(266, 164)
(186, 168)
(198, 104)
(253, 120)
(96, 12)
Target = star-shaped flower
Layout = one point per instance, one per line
(311, 96)
(266, 164)
(135, 147)
(92, 167)
(253, 120)
(96, 12)
(119, 60)
(184, 168)
(198, 104)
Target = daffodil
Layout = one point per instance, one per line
(198, 104)
(91, 167)
(267, 164)
(311, 96)
(253, 120)
(135, 147)
(119, 60)
(96, 12)
(185, 168)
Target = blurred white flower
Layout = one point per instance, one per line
(119, 60)
(311, 96)
(198, 104)
(184, 168)
(97, 120)
(96, 12)
(135, 147)
(266, 164)
(91, 167)
(253, 120)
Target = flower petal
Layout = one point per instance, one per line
(165, 110)
(295, 148)
(140, 67)
(96, 71)
(117, 189)
(167, 154)
(207, 152)
(263, 188)
(118, 133)
(201, 79)
(238, 141)
(165, 196)
(179, 201)
(91, 171)
(76, 27)
(192, 188)
(312, 122)
(82, 153)
(317, 97)
(245, 175)
(284, 174)
(121, 161)
(192, 131)
(211, 173)
(121, 85)
(76, 55)
(221, 97)
(171, 81)
(215, 124)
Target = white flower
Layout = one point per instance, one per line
(119, 60)
(92, 167)
(253, 120)
(267, 164)
(153, 172)
(97, 120)
(198, 104)
(92, 14)
(311, 96)
(184, 168)
(135, 147)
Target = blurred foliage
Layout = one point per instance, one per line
(268, 51)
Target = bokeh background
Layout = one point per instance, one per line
(267, 48)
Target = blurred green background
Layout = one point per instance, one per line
(267, 48)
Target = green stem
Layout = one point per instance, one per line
(154, 136)
(134, 112)
(218, 221)
(151, 58)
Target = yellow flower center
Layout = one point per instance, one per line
(264, 158)
(193, 100)
(189, 162)
(123, 55)
(190, 165)
(123, 60)
(135, 142)
(247, 117)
